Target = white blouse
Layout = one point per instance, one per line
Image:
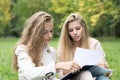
(96, 45)
(26, 67)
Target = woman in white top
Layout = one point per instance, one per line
(74, 34)
(33, 58)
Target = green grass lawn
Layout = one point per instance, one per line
(7, 45)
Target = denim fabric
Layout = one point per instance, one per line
(99, 72)
(102, 77)
(96, 71)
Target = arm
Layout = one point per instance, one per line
(27, 68)
(67, 67)
(103, 63)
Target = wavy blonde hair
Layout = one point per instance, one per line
(65, 48)
(32, 37)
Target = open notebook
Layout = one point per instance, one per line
(95, 71)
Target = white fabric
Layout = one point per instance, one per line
(27, 69)
(86, 75)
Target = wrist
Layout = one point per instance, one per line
(58, 65)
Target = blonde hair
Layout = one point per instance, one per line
(65, 48)
(32, 37)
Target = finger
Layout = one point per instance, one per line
(74, 70)
(76, 66)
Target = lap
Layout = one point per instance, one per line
(102, 77)
(83, 75)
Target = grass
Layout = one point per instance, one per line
(6, 51)
(112, 50)
(7, 45)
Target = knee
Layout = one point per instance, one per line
(102, 77)
(86, 73)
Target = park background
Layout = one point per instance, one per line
(102, 17)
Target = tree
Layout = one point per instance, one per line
(23, 9)
(5, 15)
(61, 9)
(102, 16)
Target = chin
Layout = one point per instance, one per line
(77, 40)
(48, 41)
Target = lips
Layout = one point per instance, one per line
(75, 36)
(48, 39)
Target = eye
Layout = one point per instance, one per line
(70, 30)
(45, 32)
(77, 28)
(51, 31)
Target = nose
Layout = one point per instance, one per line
(50, 35)
(74, 32)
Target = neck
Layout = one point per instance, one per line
(77, 44)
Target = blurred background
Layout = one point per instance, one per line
(102, 18)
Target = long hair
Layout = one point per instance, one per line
(32, 37)
(65, 48)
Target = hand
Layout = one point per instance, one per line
(69, 66)
(103, 64)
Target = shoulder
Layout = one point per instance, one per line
(20, 48)
(93, 40)
(94, 43)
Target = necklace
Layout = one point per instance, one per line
(48, 50)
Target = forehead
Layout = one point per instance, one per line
(48, 25)
(74, 24)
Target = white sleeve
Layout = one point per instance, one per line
(27, 68)
(98, 46)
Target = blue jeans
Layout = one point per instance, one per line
(98, 72)
(102, 77)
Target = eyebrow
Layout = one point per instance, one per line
(48, 30)
(74, 27)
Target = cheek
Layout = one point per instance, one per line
(45, 36)
(81, 32)
(70, 33)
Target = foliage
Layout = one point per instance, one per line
(7, 46)
(23, 9)
(5, 14)
(102, 16)
(62, 8)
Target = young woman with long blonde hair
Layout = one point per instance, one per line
(34, 59)
(75, 34)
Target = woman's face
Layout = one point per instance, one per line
(48, 31)
(75, 30)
